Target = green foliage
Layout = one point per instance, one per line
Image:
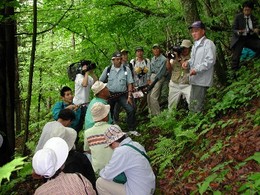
(14, 165)
(203, 186)
(255, 157)
(252, 186)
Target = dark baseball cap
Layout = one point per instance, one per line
(197, 24)
(117, 54)
(156, 45)
(124, 51)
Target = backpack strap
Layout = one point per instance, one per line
(140, 151)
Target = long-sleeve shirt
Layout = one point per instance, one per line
(158, 67)
(203, 59)
(140, 176)
(60, 106)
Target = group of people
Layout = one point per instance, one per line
(121, 164)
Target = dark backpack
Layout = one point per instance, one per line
(73, 70)
(108, 71)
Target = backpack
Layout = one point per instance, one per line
(131, 66)
(73, 70)
(108, 71)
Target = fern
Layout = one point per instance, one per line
(14, 165)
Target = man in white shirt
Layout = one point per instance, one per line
(83, 83)
(128, 157)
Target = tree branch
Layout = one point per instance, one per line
(139, 9)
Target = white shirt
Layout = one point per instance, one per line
(82, 93)
(140, 176)
(46, 133)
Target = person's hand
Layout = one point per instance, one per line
(185, 65)
(129, 100)
(149, 82)
(193, 72)
(72, 107)
(240, 32)
(256, 31)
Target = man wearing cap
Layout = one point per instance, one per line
(94, 139)
(130, 158)
(83, 82)
(102, 94)
(141, 67)
(120, 84)
(245, 34)
(157, 73)
(179, 83)
(48, 162)
(201, 66)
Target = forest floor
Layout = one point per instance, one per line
(239, 141)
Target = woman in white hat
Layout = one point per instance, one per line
(49, 162)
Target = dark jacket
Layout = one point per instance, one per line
(240, 24)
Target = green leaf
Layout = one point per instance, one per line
(205, 184)
(7, 169)
(255, 157)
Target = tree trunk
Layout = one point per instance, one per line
(191, 13)
(29, 93)
(8, 59)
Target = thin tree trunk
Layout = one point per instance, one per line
(29, 93)
(190, 10)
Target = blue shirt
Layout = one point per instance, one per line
(118, 79)
(60, 106)
(158, 67)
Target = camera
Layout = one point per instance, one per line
(173, 50)
(90, 66)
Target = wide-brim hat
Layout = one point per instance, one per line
(99, 111)
(112, 134)
(197, 24)
(51, 157)
(98, 86)
(186, 43)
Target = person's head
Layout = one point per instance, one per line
(100, 90)
(85, 64)
(114, 136)
(66, 94)
(48, 160)
(197, 30)
(186, 47)
(139, 52)
(66, 116)
(117, 59)
(156, 50)
(100, 111)
(124, 54)
(247, 6)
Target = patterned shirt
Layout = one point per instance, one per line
(94, 140)
(66, 184)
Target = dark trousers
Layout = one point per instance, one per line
(130, 111)
(250, 42)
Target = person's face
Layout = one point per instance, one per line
(114, 145)
(185, 51)
(247, 11)
(124, 57)
(84, 67)
(197, 33)
(139, 53)
(156, 51)
(68, 97)
(117, 62)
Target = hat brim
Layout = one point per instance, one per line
(60, 148)
(114, 138)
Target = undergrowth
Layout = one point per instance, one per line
(179, 131)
